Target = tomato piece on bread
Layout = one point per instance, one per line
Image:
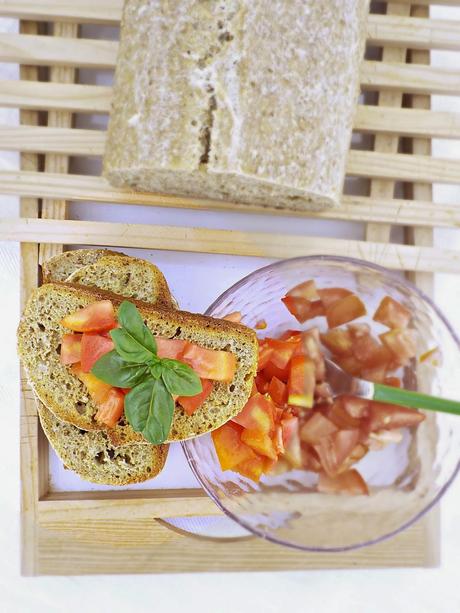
(70, 349)
(210, 363)
(191, 403)
(96, 317)
(93, 347)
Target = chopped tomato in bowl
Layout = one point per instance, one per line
(347, 472)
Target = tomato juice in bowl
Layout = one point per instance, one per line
(405, 478)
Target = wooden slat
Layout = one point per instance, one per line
(96, 98)
(228, 242)
(383, 30)
(104, 11)
(57, 209)
(395, 30)
(96, 189)
(387, 143)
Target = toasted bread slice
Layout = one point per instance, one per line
(59, 267)
(39, 338)
(92, 456)
(125, 276)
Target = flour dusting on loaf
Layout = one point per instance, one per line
(241, 100)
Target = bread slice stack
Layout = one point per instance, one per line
(119, 455)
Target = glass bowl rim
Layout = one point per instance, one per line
(362, 264)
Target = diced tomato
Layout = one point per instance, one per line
(258, 414)
(355, 407)
(306, 290)
(383, 416)
(282, 352)
(382, 438)
(210, 364)
(278, 441)
(358, 330)
(271, 371)
(338, 341)
(191, 403)
(393, 381)
(291, 439)
(125, 390)
(230, 450)
(111, 408)
(70, 348)
(301, 384)
(365, 347)
(323, 393)
(236, 317)
(401, 342)
(333, 450)
(350, 365)
(345, 310)
(260, 442)
(278, 391)
(376, 374)
(265, 353)
(303, 309)
(253, 468)
(310, 345)
(310, 459)
(97, 389)
(93, 347)
(290, 335)
(315, 428)
(261, 383)
(96, 317)
(339, 415)
(392, 313)
(356, 455)
(254, 389)
(349, 482)
(260, 325)
(172, 348)
(330, 295)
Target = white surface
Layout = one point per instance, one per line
(411, 590)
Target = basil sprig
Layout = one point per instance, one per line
(134, 363)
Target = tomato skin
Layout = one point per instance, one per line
(111, 408)
(97, 389)
(302, 380)
(306, 290)
(349, 482)
(210, 364)
(257, 414)
(93, 347)
(278, 391)
(330, 295)
(172, 348)
(392, 313)
(191, 403)
(231, 451)
(345, 310)
(303, 309)
(383, 416)
(70, 349)
(96, 317)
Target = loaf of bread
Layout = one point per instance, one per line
(243, 100)
(39, 337)
(61, 266)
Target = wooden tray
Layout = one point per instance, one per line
(115, 532)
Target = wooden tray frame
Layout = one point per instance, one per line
(116, 532)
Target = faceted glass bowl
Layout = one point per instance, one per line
(405, 479)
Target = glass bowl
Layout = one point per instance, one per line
(405, 479)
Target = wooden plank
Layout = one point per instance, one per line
(369, 119)
(396, 30)
(95, 546)
(229, 242)
(81, 188)
(387, 143)
(104, 11)
(32, 483)
(417, 79)
(384, 30)
(57, 209)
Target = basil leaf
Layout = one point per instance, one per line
(130, 319)
(156, 369)
(180, 379)
(149, 408)
(112, 369)
(129, 348)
